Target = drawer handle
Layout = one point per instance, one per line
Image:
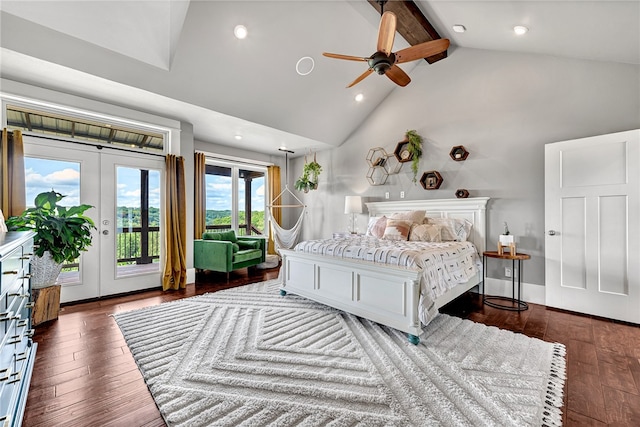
(30, 304)
(26, 256)
(4, 375)
(15, 341)
(26, 276)
(18, 377)
(29, 254)
(29, 333)
(7, 315)
(22, 356)
(22, 323)
(10, 272)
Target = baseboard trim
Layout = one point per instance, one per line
(191, 275)
(530, 293)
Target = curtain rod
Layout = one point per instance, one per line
(89, 144)
(233, 159)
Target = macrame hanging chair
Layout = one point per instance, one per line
(283, 238)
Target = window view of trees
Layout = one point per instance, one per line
(249, 193)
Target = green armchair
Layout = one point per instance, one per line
(224, 251)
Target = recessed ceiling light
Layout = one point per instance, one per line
(305, 65)
(359, 97)
(458, 28)
(240, 31)
(238, 137)
(520, 29)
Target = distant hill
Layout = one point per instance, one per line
(130, 217)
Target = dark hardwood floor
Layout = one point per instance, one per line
(84, 374)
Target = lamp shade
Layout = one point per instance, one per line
(352, 204)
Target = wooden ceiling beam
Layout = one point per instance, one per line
(413, 26)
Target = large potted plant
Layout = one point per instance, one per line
(62, 233)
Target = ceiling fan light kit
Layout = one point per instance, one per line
(384, 61)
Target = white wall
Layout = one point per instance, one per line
(503, 107)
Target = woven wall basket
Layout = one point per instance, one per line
(44, 271)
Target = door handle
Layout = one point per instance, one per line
(552, 232)
(105, 232)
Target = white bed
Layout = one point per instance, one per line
(383, 293)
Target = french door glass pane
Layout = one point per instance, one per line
(251, 202)
(219, 195)
(138, 221)
(62, 177)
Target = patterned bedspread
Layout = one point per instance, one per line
(444, 265)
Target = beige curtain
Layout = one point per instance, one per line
(273, 177)
(199, 199)
(175, 230)
(12, 192)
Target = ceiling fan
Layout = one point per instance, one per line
(383, 61)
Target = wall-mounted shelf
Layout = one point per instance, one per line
(459, 153)
(402, 152)
(377, 175)
(461, 193)
(431, 180)
(377, 157)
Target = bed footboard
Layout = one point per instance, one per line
(385, 294)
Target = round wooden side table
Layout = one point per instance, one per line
(516, 304)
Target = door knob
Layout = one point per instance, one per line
(552, 233)
(105, 232)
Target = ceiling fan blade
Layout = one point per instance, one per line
(347, 57)
(422, 50)
(361, 77)
(386, 32)
(398, 76)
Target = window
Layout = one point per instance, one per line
(235, 198)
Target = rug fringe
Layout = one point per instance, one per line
(552, 413)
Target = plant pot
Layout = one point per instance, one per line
(44, 271)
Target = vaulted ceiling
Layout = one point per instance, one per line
(180, 58)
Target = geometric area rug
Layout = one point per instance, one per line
(249, 357)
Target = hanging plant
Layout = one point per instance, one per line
(309, 178)
(415, 149)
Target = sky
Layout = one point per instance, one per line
(64, 177)
(218, 190)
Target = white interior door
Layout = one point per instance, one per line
(592, 217)
(120, 259)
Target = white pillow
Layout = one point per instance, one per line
(376, 227)
(425, 233)
(452, 228)
(414, 216)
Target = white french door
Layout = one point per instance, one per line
(592, 216)
(126, 191)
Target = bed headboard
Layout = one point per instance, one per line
(473, 209)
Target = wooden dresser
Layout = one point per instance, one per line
(17, 349)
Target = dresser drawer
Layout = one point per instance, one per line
(11, 269)
(17, 349)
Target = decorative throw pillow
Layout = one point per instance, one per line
(452, 228)
(248, 244)
(377, 228)
(397, 229)
(413, 216)
(425, 233)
